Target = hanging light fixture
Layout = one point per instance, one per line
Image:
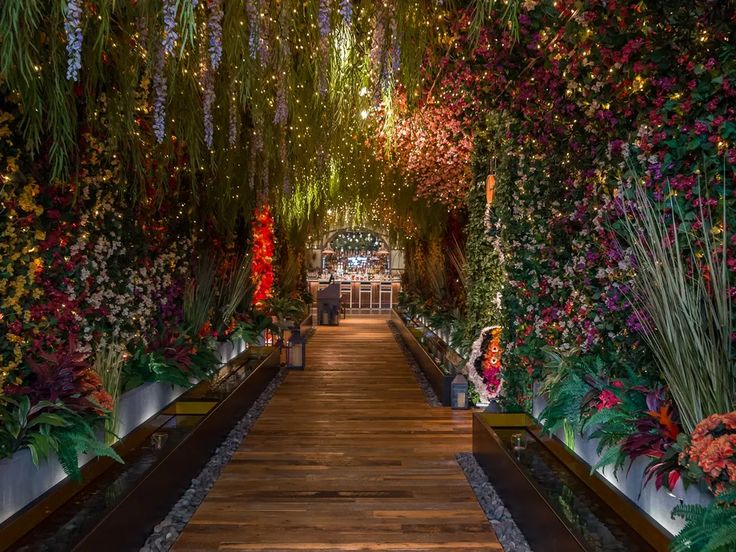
(382, 252)
(328, 250)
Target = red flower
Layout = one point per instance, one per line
(263, 252)
(607, 399)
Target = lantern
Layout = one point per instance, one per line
(296, 349)
(490, 188)
(459, 392)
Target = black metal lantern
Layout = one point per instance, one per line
(296, 350)
(459, 392)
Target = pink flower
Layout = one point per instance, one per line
(607, 399)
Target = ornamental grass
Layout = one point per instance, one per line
(682, 301)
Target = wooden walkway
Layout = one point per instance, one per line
(346, 456)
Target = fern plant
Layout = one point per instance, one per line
(76, 439)
(709, 528)
(47, 428)
(566, 390)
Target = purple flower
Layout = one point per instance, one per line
(73, 30)
(396, 59)
(282, 110)
(346, 11)
(207, 102)
(324, 18)
(258, 133)
(252, 11)
(214, 27)
(264, 52)
(170, 35)
(233, 124)
(159, 101)
(636, 320)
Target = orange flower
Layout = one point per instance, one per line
(712, 448)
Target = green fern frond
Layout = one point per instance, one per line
(709, 528)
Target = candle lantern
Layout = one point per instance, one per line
(459, 392)
(490, 188)
(296, 349)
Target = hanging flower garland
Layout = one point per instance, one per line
(208, 101)
(484, 366)
(263, 251)
(214, 27)
(159, 99)
(253, 42)
(346, 12)
(170, 35)
(73, 30)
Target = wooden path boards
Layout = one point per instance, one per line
(346, 456)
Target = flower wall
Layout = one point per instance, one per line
(571, 103)
(589, 95)
(82, 273)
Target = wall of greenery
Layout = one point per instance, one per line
(595, 107)
(485, 270)
(220, 99)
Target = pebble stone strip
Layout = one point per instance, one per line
(424, 384)
(165, 533)
(509, 535)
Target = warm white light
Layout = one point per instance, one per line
(364, 114)
(363, 91)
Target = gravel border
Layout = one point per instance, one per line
(429, 394)
(509, 535)
(167, 531)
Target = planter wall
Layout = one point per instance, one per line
(169, 478)
(21, 482)
(438, 379)
(658, 504)
(225, 351)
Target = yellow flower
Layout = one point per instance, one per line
(37, 265)
(26, 200)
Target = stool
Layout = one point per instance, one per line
(376, 297)
(346, 295)
(366, 289)
(386, 291)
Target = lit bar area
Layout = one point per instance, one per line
(363, 269)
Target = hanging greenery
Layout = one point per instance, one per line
(204, 96)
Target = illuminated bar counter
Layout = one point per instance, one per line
(362, 296)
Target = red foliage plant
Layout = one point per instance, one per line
(64, 375)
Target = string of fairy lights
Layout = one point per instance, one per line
(235, 99)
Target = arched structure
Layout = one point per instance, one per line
(315, 248)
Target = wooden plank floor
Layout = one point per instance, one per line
(346, 456)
